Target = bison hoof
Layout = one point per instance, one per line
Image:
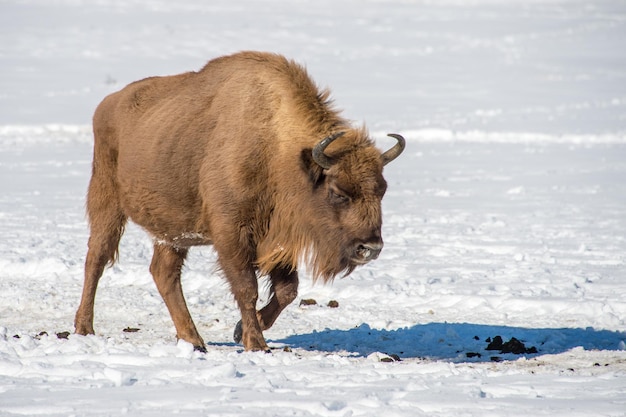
(238, 334)
(200, 349)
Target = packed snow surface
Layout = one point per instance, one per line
(505, 216)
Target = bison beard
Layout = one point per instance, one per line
(248, 155)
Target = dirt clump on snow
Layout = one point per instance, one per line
(514, 346)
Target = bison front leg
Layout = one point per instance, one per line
(284, 287)
(166, 266)
(244, 287)
(284, 283)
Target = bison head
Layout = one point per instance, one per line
(347, 186)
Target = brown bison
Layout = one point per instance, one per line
(247, 155)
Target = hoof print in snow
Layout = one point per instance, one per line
(307, 302)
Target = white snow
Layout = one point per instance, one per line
(505, 216)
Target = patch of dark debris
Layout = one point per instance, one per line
(131, 330)
(305, 302)
(59, 335)
(65, 334)
(391, 358)
(513, 346)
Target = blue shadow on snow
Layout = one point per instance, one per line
(453, 341)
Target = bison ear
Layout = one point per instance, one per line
(312, 168)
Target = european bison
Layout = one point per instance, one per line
(248, 155)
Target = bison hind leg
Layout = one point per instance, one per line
(167, 262)
(107, 223)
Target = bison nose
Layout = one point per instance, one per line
(366, 252)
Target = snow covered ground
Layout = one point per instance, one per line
(505, 216)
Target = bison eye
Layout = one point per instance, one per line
(338, 198)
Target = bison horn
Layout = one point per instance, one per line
(394, 152)
(318, 152)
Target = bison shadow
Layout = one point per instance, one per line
(454, 342)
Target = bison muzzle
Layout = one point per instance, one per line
(248, 155)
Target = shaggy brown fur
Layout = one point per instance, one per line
(223, 156)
